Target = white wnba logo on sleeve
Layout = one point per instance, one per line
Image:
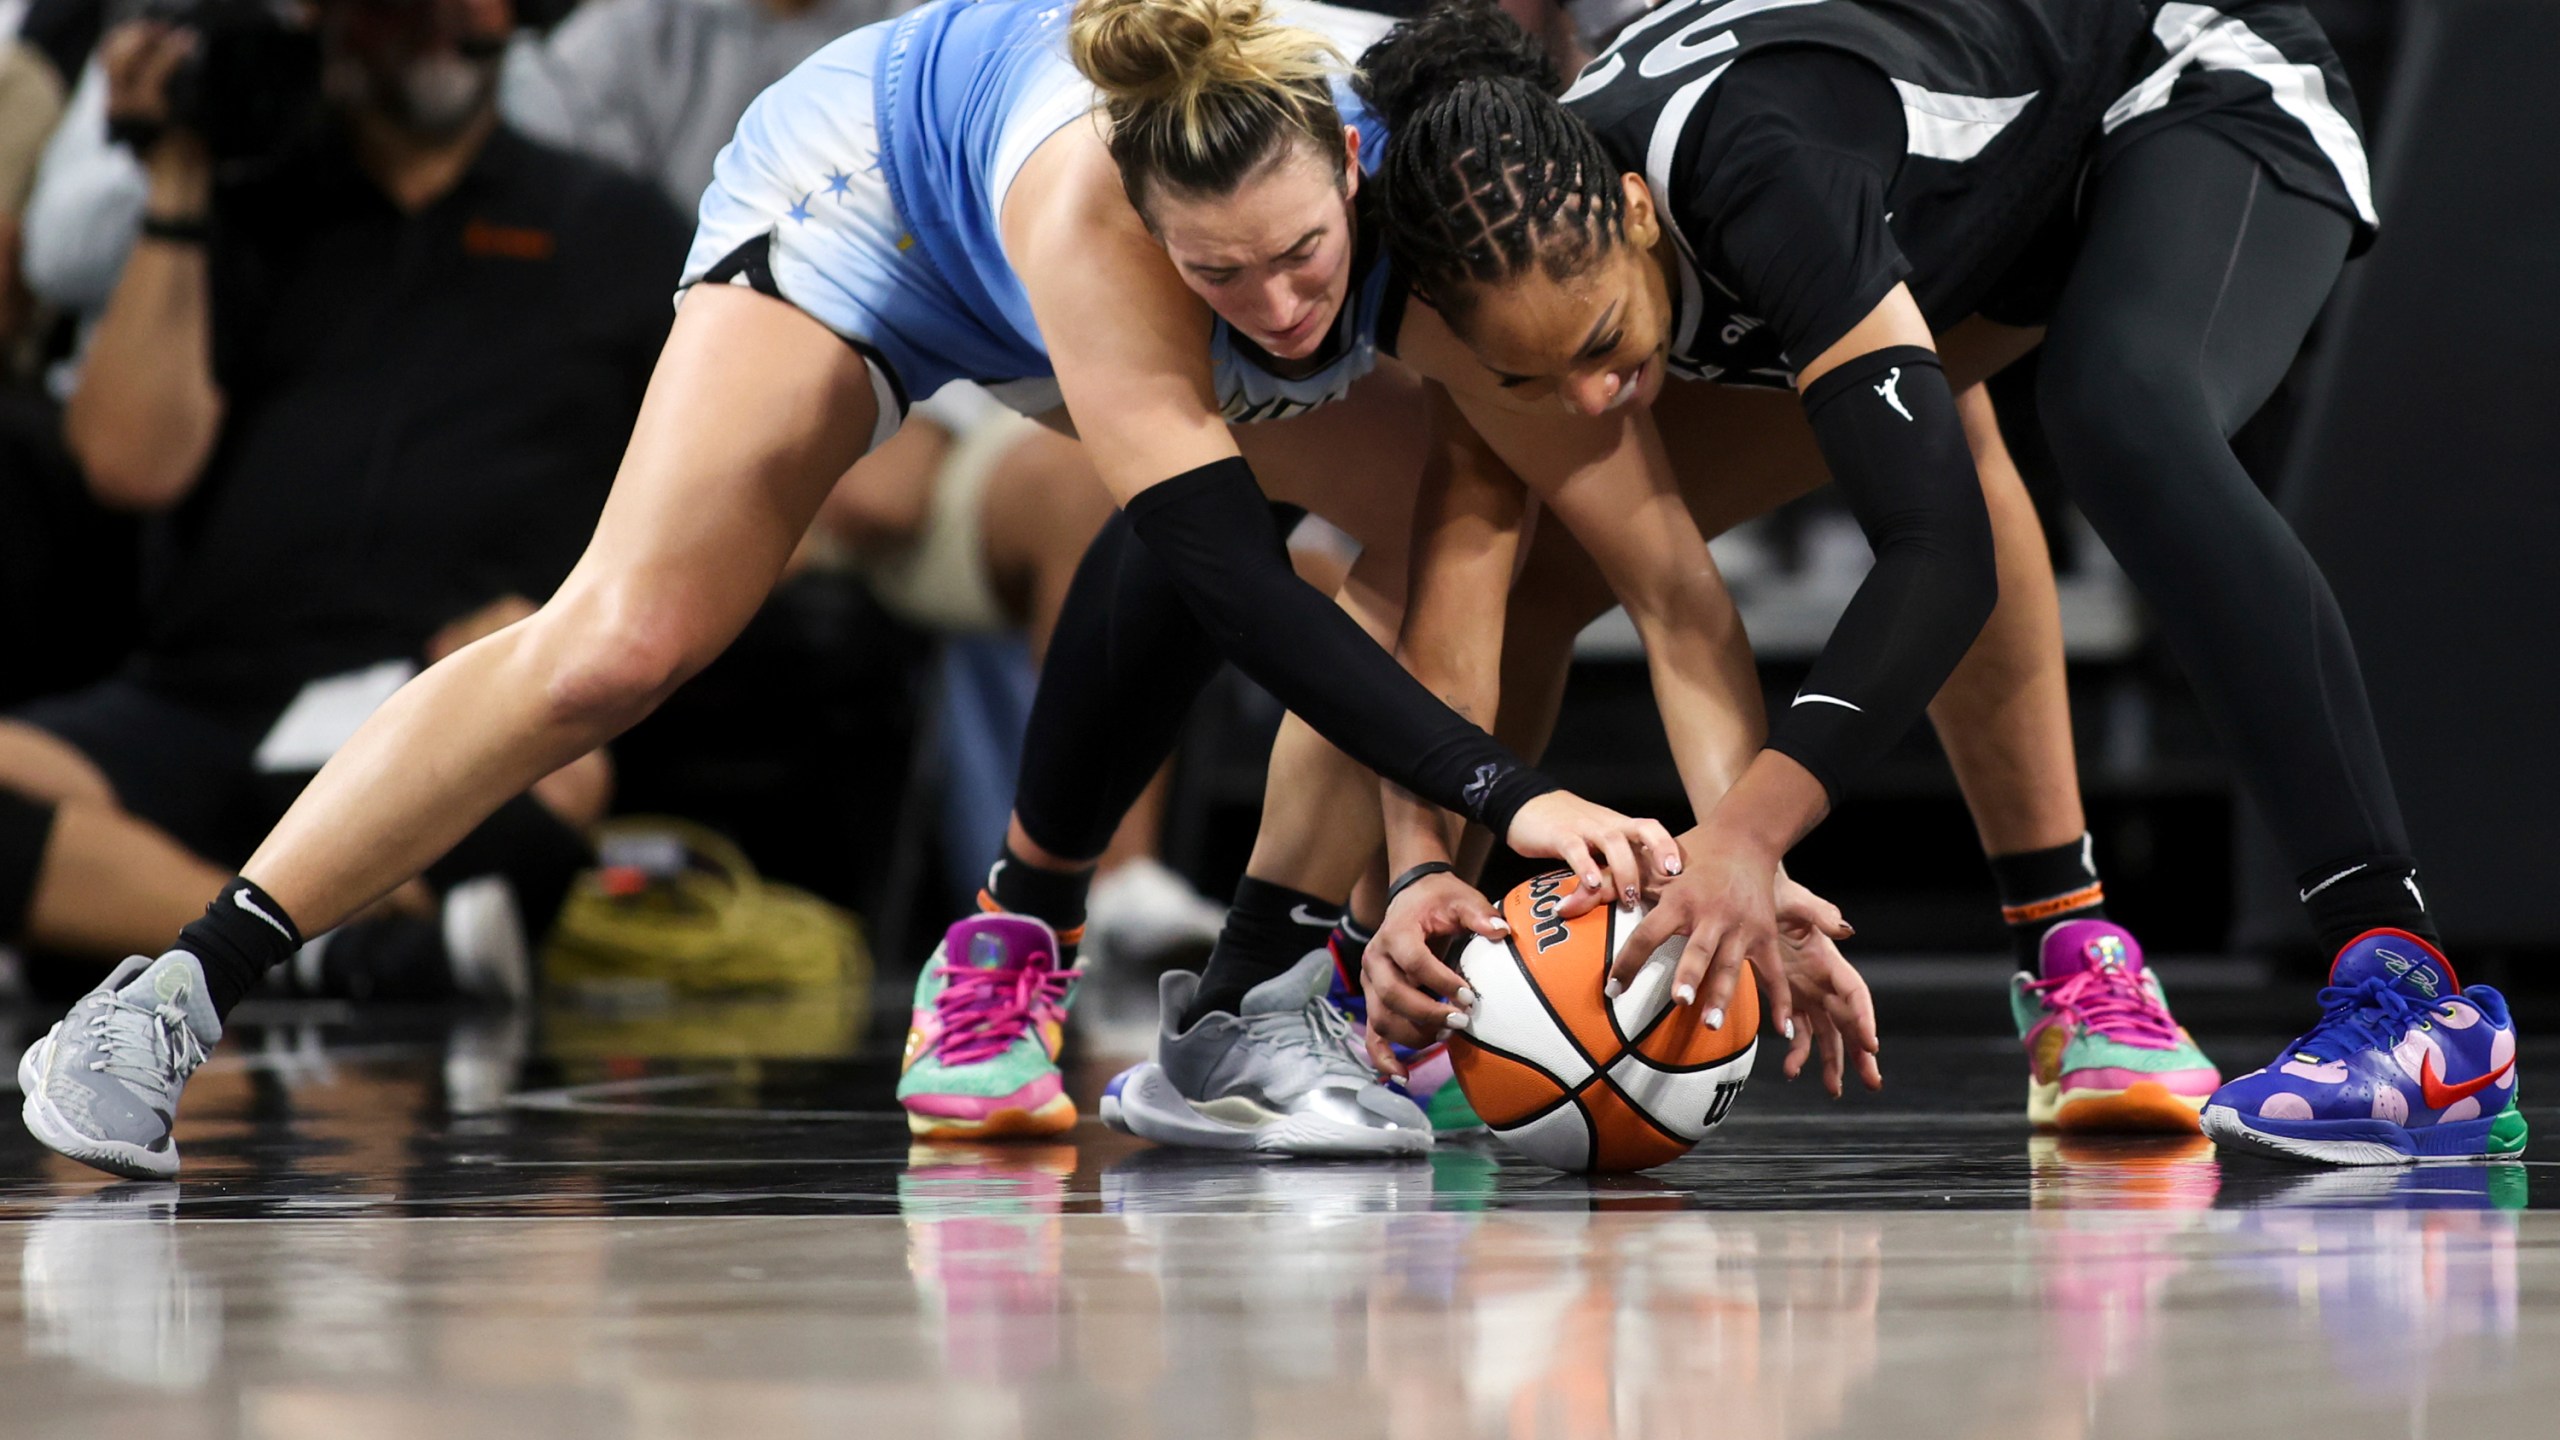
(1890, 391)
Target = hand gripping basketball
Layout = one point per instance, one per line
(1403, 975)
(1616, 857)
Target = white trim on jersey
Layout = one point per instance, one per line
(1955, 127)
(1675, 50)
(2201, 36)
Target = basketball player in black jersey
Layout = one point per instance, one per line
(1809, 192)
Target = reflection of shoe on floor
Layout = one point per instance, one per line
(2405, 1294)
(2122, 1172)
(1141, 911)
(982, 1044)
(102, 1086)
(482, 1056)
(2410, 1187)
(105, 1288)
(1283, 1076)
(985, 1245)
(2103, 1052)
(1194, 1182)
(2404, 1066)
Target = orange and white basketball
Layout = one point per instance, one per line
(1573, 1079)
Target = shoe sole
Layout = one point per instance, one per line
(2144, 1108)
(2367, 1142)
(55, 1133)
(1057, 1117)
(31, 1063)
(1143, 1102)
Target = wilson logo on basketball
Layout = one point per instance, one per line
(1545, 899)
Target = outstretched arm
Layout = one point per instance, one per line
(1131, 348)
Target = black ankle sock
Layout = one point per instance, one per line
(2363, 893)
(2040, 889)
(1270, 928)
(1018, 887)
(243, 935)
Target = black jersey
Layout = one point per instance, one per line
(2000, 102)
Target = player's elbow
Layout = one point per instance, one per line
(1692, 602)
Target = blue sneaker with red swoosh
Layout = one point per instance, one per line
(2405, 1066)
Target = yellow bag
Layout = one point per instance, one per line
(676, 909)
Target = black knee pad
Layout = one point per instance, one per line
(26, 828)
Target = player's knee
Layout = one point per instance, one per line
(2107, 400)
(606, 664)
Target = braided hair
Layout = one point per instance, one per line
(1486, 174)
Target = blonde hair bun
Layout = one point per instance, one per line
(1168, 52)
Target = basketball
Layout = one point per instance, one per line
(1573, 1079)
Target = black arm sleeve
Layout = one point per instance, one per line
(1888, 426)
(1212, 530)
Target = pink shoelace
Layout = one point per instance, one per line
(983, 1011)
(2113, 1003)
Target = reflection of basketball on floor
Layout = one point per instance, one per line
(1576, 1080)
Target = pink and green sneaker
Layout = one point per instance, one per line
(982, 1047)
(2103, 1052)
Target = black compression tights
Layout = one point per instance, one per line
(1125, 662)
(2197, 280)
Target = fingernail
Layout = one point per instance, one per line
(1458, 1020)
(1501, 926)
(1788, 1029)
(1715, 1018)
(1615, 988)
(1466, 998)
(1684, 993)
(1670, 867)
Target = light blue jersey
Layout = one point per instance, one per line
(865, 188)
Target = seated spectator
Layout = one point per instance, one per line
(373, 387)
(30, 104)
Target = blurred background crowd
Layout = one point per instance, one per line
(322, 328)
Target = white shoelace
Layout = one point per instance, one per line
(1320, 1030)
(141, 1045)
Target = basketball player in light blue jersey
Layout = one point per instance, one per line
(926, 200)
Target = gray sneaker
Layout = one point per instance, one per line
(103, 1085)
(1285, 1076)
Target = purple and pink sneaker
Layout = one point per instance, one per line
(2405, 1066)
(2103, 1052)
(982, 1043)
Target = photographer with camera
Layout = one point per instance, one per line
(370, 367)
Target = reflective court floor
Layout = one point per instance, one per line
(714, 1223)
